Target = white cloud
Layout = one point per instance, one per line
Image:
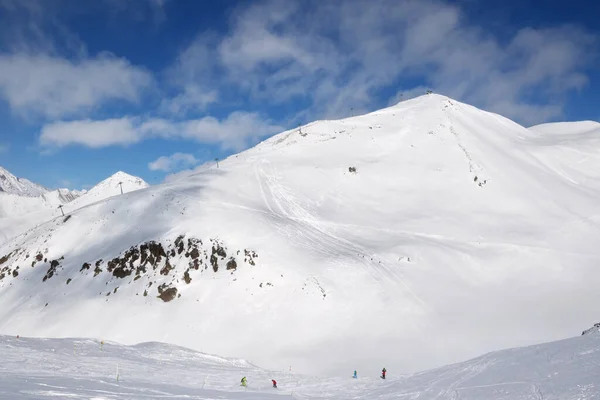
(89, 133)
(236, 132)
(175, 161)
(346, 53)
(64, 183)
(193, 98)
(55, 87)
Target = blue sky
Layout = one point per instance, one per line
(152, 87)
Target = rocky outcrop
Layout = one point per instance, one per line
(593, 329)
(165, 263)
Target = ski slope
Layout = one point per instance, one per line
(19, 213)
(83, 369)
(415, 236)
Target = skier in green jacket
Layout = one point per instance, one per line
(244, 382)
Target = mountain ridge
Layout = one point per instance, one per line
(432, 228)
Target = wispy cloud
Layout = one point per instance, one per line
(177, 161)
(346, 53)
(311, 59)
(235, 132)
(55, 87)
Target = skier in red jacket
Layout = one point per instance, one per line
(274, 383)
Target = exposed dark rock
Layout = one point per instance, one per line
(231, 264)
(166, 293)
(214, 262)
(249, 256)
(69, 281)
(85, 266)
(186, 276)
(51, 270)
(166, 269)
(179, 244)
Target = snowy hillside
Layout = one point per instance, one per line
(415, 236)
(109, 187)
(572, 149)
(19, 213)
(19, 186)
(83, 368)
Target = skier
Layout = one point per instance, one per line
(244, 382)
(383, 371)
(354, 376)
(274, 383)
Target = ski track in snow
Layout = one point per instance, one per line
(83, 369)
(315, 237)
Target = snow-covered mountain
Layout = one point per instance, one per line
(571, 149)
(109, 187)
(83, 368)
(20, 213)
(414, 236)
(19, 186)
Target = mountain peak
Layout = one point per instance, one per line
(111, 186)
(123, 178)
(11, 184)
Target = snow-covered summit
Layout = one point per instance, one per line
(18, 213)
(417, 235)
(111, 186)
(19, 186)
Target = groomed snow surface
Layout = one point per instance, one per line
(83, 369)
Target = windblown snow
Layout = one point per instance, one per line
(415, 236)
(86, 369)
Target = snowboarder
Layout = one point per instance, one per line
(383, 371)
(244, 382)
(354, 376)
(274, 383)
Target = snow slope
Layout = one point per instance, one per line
(19, 186)
(451, 238)
(572, 150)
(109, 187)
(82, 369)
(20, 213)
